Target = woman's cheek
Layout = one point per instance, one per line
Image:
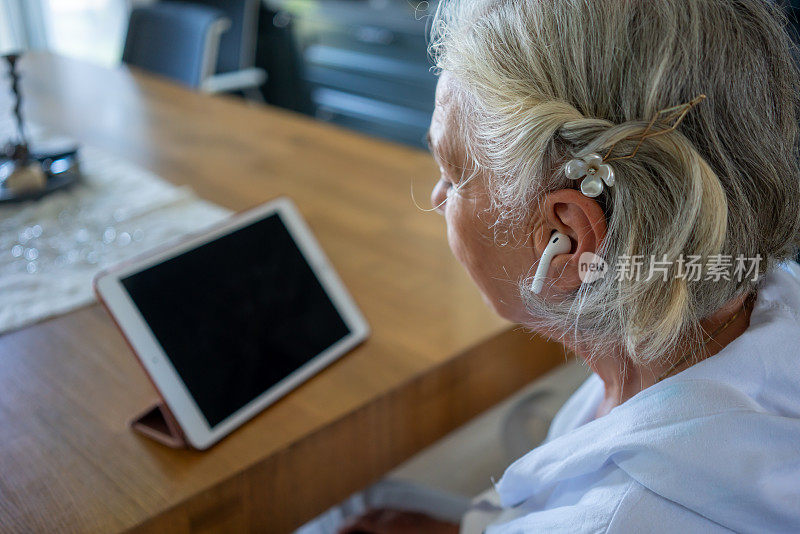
(453, 230)
(459, 232)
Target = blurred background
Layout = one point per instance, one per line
(361, 64)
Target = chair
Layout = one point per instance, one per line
(175, 39)
(235, 67)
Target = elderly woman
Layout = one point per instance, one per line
(657, 140)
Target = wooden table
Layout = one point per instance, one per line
(437, 355)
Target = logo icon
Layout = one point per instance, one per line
(591, 267)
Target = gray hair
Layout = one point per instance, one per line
(539, 82)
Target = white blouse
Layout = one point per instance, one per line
(712, 449)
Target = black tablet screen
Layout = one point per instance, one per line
(237, 315)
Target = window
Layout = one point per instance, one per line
(93, 30)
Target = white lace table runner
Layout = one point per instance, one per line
(51, 249)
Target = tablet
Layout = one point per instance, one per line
(227, 322)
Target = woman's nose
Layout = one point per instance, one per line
(439, 196)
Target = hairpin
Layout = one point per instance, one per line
(595, 169)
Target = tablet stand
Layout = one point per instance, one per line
(158, 423)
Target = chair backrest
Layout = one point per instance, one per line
(238, 45)
(175, 39)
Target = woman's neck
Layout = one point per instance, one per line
(623, 378)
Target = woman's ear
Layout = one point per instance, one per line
(580, 218)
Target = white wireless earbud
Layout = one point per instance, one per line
(559, 244)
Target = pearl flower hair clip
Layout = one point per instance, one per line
(595, 169)
(595, 172)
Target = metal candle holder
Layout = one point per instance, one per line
(28, 172)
